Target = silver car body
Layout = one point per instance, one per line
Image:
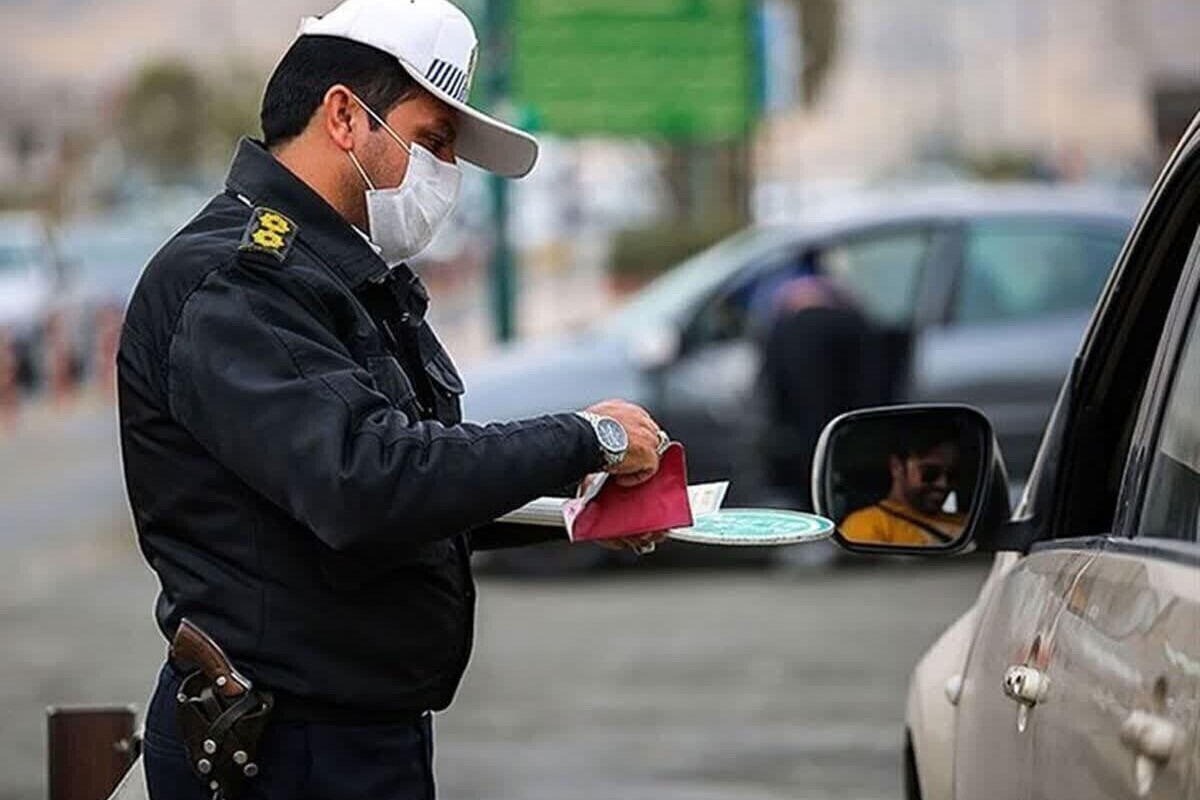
(1103, 612)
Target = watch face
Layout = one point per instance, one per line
(612, 436)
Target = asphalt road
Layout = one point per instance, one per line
(642, 683)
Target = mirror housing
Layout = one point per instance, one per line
(986, 510)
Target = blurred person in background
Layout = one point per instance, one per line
(299, 474)
(821, 357)
(923, 466)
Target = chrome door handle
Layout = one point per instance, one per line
(1150, 735)
(1153, 739)
(1027, 685)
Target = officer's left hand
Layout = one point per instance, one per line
(642, 545)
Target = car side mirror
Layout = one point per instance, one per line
(656, 347)
(922, 479)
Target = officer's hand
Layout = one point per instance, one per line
(642, 545)
(641, 459)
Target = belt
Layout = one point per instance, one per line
(299, 709)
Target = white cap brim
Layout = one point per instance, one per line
(483, 140)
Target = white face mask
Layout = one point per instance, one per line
(403, 220)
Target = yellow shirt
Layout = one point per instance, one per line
(890, 523)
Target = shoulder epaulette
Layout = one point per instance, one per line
(269, 232)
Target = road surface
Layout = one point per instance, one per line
(633, 684)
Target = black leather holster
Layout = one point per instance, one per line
(222, 735)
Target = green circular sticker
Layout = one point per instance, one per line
(755, 526)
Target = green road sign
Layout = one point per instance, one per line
(752, 526)
(675, 69)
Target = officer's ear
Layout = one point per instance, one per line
(341, 117)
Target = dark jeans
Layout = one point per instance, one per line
(299, 761)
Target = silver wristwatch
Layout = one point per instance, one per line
(611, 435)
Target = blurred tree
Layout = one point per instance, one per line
(162, 119)
(638, 255)
(714, 179)
(176, 122)
(234, 98)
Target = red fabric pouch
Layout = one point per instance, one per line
(614, 512)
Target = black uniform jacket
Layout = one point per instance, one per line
(299, 474)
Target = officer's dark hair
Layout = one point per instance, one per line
(313, 64)
(922, 437)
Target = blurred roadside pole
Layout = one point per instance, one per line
(682, 79)
(502, 272)
(10, 394)
(59, 367)
(88, 750)
(688, 78)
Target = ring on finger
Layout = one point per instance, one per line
(664, 441)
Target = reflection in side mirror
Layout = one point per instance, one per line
(656, 347)
(906, 478)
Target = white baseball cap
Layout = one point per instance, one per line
(436, 44)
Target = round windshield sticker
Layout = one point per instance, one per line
(751, 526)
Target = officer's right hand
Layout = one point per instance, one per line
(641, 459)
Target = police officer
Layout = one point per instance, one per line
(300, 477)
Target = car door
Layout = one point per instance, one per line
(701, 398)
(1025, 291)
(994, 745)
(1123, 703)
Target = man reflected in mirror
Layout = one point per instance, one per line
(920, 508)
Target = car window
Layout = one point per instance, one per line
(1016, 271)
(744, 309)
(881, 271)
(1171, 508)
(671, 296)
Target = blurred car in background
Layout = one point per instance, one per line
(982, 294)
(36, 284)
(107, 256)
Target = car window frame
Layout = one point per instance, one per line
(930, 303)
(1177, 331)
(688, 345)
(934, 229)
(1045, 516)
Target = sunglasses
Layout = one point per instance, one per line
(931, 472)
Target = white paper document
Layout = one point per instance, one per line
(704, 498)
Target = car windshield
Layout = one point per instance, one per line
(669, 297)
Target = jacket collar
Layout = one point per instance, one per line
(257, 176)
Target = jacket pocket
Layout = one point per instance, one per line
(448, 387)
